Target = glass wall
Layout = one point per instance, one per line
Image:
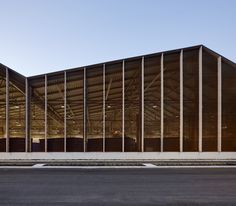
(133, 105)
(75, 111)
(2, 110)
(209, 102)
(55, 113)
(37, 114)
(16, 113)
(152, 104)
(190, 100)
(103, 95)
(94, 81)
(113, 107)
(171, 102)
(228, 107)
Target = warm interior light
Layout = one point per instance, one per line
(18, 124)
(36, 140)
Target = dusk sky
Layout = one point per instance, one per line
(41, 36)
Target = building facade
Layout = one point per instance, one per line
(175, 101)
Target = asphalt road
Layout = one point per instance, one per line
(118, 186)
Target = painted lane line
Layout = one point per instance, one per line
(149, 165)
(38, 165)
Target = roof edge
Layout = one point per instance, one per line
(118, 60)
(125, 59)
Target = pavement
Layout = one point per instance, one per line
(118, 186)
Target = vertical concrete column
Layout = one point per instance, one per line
(123, 105)
(65, 110)
(181, 103)
(162, 100)
(46, 112)
(104, 111)
(200, 101)
(142, 105)
(85, 111)
(27, 116)
(7, 110)
(219, 126)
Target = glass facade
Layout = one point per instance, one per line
(75, 111)
(209, 102)
(94, 107)
(55, 113)
(37, 114)
(171, 71)
(3, 110)
(113, 107)
(228, 107)
(190, 101)
(16, 114)
(132, 105)
(152, 104)
(175, 101)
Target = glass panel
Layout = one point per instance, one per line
(228, 107)
(55, 113)
(16, 113)
(171, 102)
(75, 111)
(3, 110)
(37, 114)
(94, 109)
(209, 102)
(190, 101)
(152, 106)
(132, 106)
(113, 107)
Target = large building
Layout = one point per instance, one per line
(173, 102)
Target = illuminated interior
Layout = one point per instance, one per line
(175, 101)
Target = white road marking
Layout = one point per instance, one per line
(149, 165)
(38, 165)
